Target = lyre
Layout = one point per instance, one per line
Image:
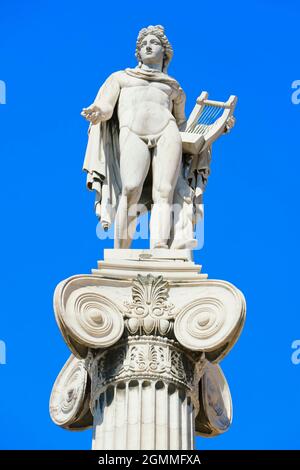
(208, 120)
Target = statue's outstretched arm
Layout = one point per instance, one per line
(103, 106)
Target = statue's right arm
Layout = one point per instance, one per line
(103, 107)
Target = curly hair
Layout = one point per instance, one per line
(159, 32)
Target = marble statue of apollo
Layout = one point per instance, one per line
(134, 153)
(146, 329)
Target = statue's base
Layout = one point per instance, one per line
(146, 330)
(127, 264)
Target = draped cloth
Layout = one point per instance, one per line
(102, 165)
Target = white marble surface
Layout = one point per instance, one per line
(140, 334)
(144, 154)
(146, 328)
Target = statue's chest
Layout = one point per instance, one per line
(146, 88)
(142, 95)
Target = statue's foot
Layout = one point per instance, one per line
(184, 244)
(160, 245)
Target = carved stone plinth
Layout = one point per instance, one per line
(146, 331)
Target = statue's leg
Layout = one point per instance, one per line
(165, 168)
(134, 166)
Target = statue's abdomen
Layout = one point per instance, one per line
(144, 109)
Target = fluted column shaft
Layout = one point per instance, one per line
(144, 415)
(142, 395)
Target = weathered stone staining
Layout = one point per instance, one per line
(146, 329)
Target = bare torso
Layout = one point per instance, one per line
(144, 107)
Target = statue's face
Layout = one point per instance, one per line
(151, 50)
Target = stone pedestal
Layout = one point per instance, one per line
(146, 330)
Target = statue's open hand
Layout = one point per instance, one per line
(92, 114)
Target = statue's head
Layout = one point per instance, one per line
(153, 47)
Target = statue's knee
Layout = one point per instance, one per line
(130, 191)
(163, 194)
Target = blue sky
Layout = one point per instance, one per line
(53, 57)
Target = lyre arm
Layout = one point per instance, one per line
(197, 109)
